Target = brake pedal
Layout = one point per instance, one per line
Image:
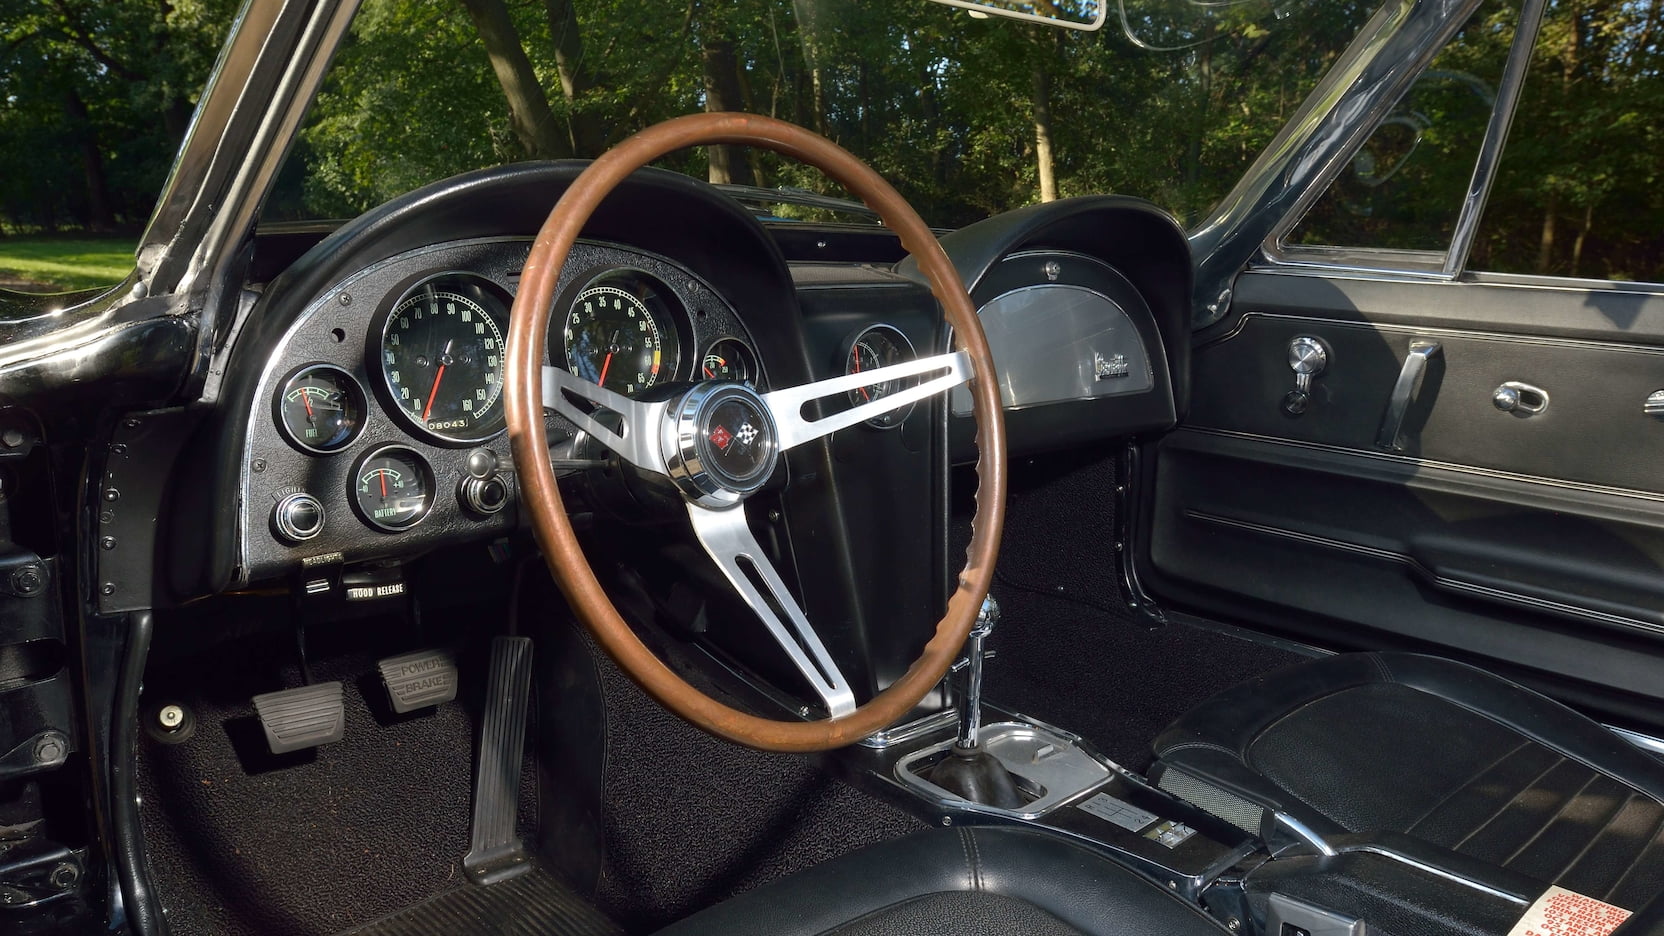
(420, 679)
(296, 719)
(497, 853)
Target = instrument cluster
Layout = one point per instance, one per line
(385, 425)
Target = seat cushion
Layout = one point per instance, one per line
(960, 882)
(1437, 750)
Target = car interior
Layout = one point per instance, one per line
(581, 547)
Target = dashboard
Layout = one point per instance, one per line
(380, 413)
(361, 419)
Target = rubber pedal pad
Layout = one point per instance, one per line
(297, 719)
(420, 679)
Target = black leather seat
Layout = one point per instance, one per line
(1440, 751)
(959, 882)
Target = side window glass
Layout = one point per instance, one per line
(1578, 192)
(1404, 188)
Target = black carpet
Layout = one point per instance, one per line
(691, 820)
(314, 842)
(1068, 651)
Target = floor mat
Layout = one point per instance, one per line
(534, 904)
(1068, 650)
(314, 842)
(691, 820)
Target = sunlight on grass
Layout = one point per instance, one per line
(53, 264)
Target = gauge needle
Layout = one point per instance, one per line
(383, 477)
(863, 390)
(307, 399)
(612, 346)
(443, 356)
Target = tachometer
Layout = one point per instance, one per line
(442, 357)
(618, 334)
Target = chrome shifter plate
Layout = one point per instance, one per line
(1049, 762)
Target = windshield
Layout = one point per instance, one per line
(967, 115)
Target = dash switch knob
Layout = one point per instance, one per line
(483, 496)
(298, 517)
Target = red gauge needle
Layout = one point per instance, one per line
(444, 356)
(604, 365)
(306, 398)
(383, 477)
(863, 390)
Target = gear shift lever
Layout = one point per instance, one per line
(968, 771)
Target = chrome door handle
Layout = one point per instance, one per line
(1415, 364)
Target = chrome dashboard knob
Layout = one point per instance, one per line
(483, 496)
(298, 517)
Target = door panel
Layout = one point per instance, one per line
(1535, 542)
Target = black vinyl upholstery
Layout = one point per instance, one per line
(1445, 753)
(960, 882)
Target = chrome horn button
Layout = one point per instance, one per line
(720, 443)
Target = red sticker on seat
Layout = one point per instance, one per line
(1560, 912)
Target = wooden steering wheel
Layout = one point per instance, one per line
(720, 441)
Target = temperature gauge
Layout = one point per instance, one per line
(320, 408)
(392, 488)
(730, 359)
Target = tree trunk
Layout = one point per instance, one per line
(98, 217)
(1545, 245)
(1043, 133)
(723, 92)
(1582, 235)
(576, 78)
(528, 107)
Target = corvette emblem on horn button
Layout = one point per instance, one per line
(720, 437)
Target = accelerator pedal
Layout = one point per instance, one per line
(497, 853)
(417, 680)
(297, 719)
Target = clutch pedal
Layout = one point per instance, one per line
(296, 719)
(420, 679)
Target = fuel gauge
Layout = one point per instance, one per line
(392, 488)
(320, 408)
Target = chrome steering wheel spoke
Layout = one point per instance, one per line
(728, 540)
(943, 372)
(636, 440)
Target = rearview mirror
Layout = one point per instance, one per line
(1071, 14)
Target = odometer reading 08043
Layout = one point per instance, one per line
(442, 358)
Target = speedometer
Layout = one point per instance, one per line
(620, 335)
(442, 357)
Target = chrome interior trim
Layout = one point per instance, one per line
(1496, 136)
(1646, 743)
(787, 405)
(637, 441)
(1044, 757)
(727, 538)
(1303, 832)
(1438, 332)
(1414, 462)
(913, 730)
(1438, 872)
(1334, 121)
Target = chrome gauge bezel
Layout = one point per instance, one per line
(666, 309)
(489, 297)
(894, 418)
(423, 466)
(752, 364)
(355, 391)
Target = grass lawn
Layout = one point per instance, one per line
(54, 264)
